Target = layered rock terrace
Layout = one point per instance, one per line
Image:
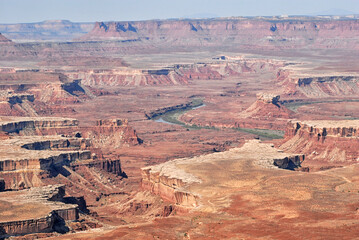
(184, 181)
(250, 31)
(34, 210)
(325, 143)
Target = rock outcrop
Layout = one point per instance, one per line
(179, 74)
(290, 32)
(114, 133)
(32, 93)
(267, 107)
(35, 125)
(35, 210)
(298, 83)
(326, 144)
(268, 98)
(265, 113)
(25, 160)
(108, 165)
(46, 87)
(179, 182)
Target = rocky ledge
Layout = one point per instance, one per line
(183, 181)
(326, 144)
(35, 210)
(17, 124)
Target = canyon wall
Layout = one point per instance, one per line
(326, 144)
(168, 188)
(181, 181)
(111, 133)
(270, 32)
(301, 84)
(36, 124)
(50, 211)
(178, 74)
(46, 87)
(29, 154)
(32, 93)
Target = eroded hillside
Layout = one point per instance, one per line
(181, 129)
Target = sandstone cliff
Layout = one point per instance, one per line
(181, 181)
(35, 210)
(326, 144)
(299, 83)
(289, 33)
(26, 158)
(32, 93)
(178, 74)
(114, 133)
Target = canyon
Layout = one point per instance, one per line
(225, 128)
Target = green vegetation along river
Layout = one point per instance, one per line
(173, 116)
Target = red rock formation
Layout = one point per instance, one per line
(265, 113)
(36, 124)
(172, 180)
(108, 165)
(113, 133)
(173, 75)
(325, 143)
(32, 93)
(35, 210)
(27, 158)
(267, 107)
(298, 84)
(168, 188)
(270, 32)
(46, 87)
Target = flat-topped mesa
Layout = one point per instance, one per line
(24, 159)
(171, 187)
(26, 151)
(326, 86)
(268, 98)
(322, 129)
(318, 85)
(107, 164)
(176, 180)
(35, 124)
(209, 32)
(177, 74)
(325, 143)
(35, 210)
